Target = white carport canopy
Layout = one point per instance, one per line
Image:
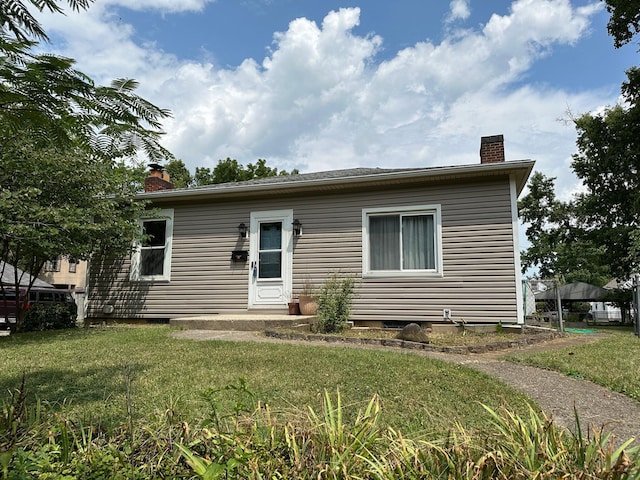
(576, 291)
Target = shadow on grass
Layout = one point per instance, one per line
(16, 340)
(82, 387)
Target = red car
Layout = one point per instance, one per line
(36, 295)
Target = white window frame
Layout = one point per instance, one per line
(167, 215)
(434, 210)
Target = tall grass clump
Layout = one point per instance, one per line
(241, 438)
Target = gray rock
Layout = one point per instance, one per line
(413, 333)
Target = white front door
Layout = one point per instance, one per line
(270, 258)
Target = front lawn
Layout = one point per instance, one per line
(613, 362)
(136, 403)
(87, 372)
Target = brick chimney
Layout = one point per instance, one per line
(158, 179)
(492, 149)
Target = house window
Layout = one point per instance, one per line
(73, 264)
(52, 265)
(152, 258)
(403, 241)
(270, 250)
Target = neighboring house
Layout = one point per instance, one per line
(607, 312)
(64, 272)
(425, 244)
(68, 274)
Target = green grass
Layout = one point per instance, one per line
(86, 373)
(612, 362)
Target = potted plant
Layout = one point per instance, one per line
(308, 299)
(294, 307)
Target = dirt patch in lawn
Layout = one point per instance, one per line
(444, 343)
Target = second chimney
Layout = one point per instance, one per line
(492, 149)
(158, 179)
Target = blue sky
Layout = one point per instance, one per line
(229, 31)
(323, 85)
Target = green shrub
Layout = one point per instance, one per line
(49, 317)
(335, 298)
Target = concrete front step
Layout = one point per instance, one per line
(253, 321)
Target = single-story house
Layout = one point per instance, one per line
(427, 245)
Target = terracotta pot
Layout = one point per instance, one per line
(308, 305)
(294, 308)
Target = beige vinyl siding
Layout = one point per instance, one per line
(478, 282)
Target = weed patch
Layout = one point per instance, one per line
(323, 444)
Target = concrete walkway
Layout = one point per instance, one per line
(597, 407)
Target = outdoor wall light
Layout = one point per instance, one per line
(243, 230)
(297, 228)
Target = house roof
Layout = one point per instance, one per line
(615, 283)
(351, 178)
(577, 291)
(8, 277)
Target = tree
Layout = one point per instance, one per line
(179, 173)
(57, 201)
(608, 163)
(45, 95)
(230, 170)
(608, 160)
(624, 23)
(540, 210)
(16, 20)
(558, 247)
(65, 188)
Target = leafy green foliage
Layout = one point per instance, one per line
(335, 298)
(16, 19)
(624, 23)
(58, 201)
(44, 97)
(64, 186)
(230, 170)
(608, 160)
(596, 236)
(50, 317)
(178, 173)
(608, 163)
(558, 247)
(543, 215)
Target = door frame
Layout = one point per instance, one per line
(286, 217)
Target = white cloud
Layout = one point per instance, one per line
(320, 100)
(458, 10)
